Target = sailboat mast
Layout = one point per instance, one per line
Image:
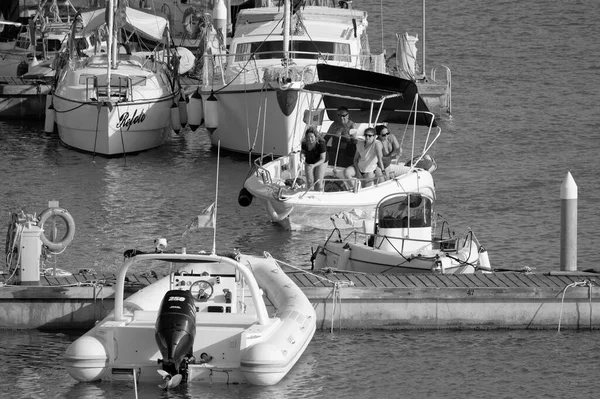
(423, 40)
(109, 43)
(286, 29)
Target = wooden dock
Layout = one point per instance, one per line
(348, 300)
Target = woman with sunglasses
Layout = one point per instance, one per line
(367, 159)
(390, 146)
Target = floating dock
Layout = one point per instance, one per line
(516, 300)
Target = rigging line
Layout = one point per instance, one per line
(69, 110)
(312, 41)
(121, 131)
(381, 13)
(99, 107)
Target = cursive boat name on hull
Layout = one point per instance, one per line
(126, 121)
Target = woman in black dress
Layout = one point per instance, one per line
(314, 156)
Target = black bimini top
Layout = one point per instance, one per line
(358, 90)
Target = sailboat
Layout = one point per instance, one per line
(251, 94)
(118, 102)
(29, 47)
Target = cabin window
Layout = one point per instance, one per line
(298, 49)
(395, 212)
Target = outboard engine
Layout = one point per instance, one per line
(175, 330)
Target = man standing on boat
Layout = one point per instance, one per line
(341, 145)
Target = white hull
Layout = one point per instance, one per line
(98, 129)
(252, 119)
(299, 208)
(135, 116)
(406, 236)
(362, 258)
(245, 344)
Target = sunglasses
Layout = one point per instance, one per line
(343, 115)
(369, 135)
(384, 134)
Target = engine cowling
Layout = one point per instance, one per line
(175, 329)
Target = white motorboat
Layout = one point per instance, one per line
(117, 102)
(403, 239)
(251, 96)
(278, 183)
(206, 322)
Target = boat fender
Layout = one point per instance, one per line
(343, 259)
(50, 115)
(175, 118)
(219, 15)
(195, 111)
(484, 260)
(183, 116)
(70, 233)
(245, 197)
(211, 113)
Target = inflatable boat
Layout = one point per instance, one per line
(207, 321)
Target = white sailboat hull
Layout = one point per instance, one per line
(135, 116)
(126, 128)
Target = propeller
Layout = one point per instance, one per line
(169, 382)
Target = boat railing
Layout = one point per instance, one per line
(137, 257)
(390, 241)
(221, 69)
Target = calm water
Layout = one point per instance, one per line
(356, 364)
(525, 112)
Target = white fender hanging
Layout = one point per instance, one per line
(175, 120)
(183, 115)
(195, 111)
(50, 115)
(484, 260)
(212, 113)
(219, 15)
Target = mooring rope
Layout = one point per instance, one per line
(584, 283)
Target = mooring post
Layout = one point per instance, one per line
(568, 224)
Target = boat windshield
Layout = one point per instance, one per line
(411, 210)
(298, 49)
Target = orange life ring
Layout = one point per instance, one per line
(69, 221)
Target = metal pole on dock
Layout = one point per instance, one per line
(568, 224)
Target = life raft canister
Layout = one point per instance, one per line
(69, 221)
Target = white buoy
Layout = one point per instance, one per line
(211, 112)
(50, 115)
(568, 224)
(195, 111)
(183, 115)
(175, 121)
(484, 260)
(219, 15)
